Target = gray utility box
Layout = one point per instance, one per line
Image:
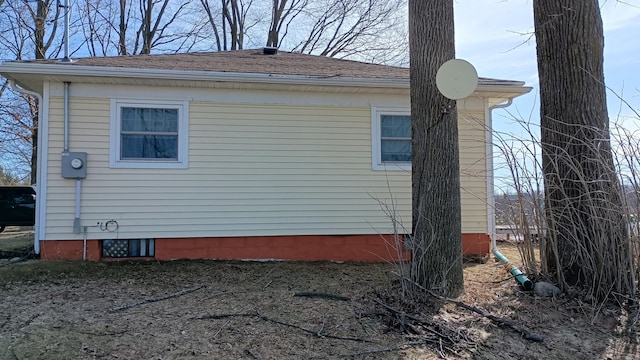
(74, 165)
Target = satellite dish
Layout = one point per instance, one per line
(456, 79)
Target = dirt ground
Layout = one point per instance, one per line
(279, 310)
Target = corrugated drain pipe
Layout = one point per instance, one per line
(517, 274)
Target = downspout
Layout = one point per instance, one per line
(517, 274)
(16, 88)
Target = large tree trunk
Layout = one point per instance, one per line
(588, 239)
(437, 243)
(40, 47)
(122, 29)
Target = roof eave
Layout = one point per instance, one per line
(79, 70)
(9, 69)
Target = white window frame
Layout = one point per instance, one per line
(376, 140)
(182, 162)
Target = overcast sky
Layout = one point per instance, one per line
(495, 36)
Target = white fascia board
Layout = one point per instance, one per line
(79, 70)
(517, 88)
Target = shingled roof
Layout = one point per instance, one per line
(247, 61)
(256, 66)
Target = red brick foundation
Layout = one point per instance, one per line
(476, 244)
(363, 248)
(68, 250)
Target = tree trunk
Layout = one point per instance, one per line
(437, 243)
(208, 11)
(588, 242)
(273, 35)
(122, 26)
(40, 53)
(147, 30)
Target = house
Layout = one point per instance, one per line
(238, 155)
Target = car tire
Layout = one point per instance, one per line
(2, 228)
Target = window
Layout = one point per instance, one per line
(148, 134)
(391, 138)
(128, 248)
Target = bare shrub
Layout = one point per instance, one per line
(603, 236)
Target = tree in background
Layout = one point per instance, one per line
(8, 179)
(283, 12)
(437, 227)
(144, 25)
(339, 28)
(373, 30)
(588, 243)
(29, 30)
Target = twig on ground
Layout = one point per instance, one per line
(252, 354)
(279, 322)
(382, 350)
(30, 320)
(267, 285)
(319, 333)
(18, 259)
(113, 333)
(265, 318)
(321, 295)
(6, 321)
(403, 316)
(526, 334)
(151, 300)
(224, 316)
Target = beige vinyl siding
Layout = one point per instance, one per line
(254, 169)
(473, 174)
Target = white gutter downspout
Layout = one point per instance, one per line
(36, 237)
(517, 274)
(491, 210)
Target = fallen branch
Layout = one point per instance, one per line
(383, 350)
(279, 322)
(526, 334)
(113, 333)
(321, 295)
(151, 300)
(443, 341)
(252, 354)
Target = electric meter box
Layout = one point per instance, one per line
(74, 165)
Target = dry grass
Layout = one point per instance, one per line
(60, 310)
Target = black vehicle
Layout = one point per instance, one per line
(17, 206)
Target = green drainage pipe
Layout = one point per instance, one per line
(520, 277)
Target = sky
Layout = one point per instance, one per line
(496, 37)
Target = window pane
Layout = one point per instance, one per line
(149, 147)
(149, 119)
(395, 126)
(396, 150)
